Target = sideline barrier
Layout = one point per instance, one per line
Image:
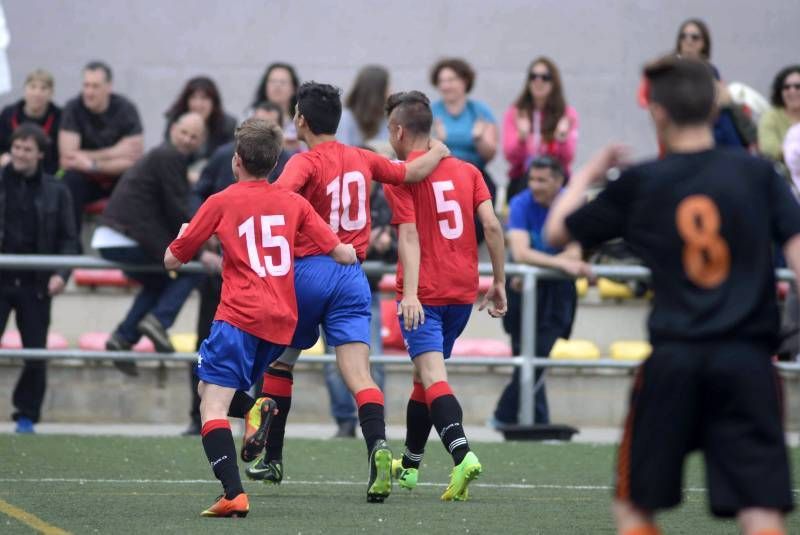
(527, 361)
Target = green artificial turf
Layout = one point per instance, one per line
(159, 485)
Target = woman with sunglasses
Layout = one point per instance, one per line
(539, 123)
(784, 113)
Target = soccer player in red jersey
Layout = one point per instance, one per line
(336, 179)
(704, 220)
(437, 285)
(257, 225)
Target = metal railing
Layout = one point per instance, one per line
(527, 361)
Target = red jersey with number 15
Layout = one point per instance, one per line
(336, 179)
(443, 207)
(257, 224)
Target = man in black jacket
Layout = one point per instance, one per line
(143, 216)
(35, 218)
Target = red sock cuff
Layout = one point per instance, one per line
(418, 393)
(369, 395)
(648, 529)
(212, 425)
(277, 386)
(437, 390)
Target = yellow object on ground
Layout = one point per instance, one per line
(614, 290)
(184, 342)
(575, 350)
(630, 350)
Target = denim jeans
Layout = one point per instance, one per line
(160, 295)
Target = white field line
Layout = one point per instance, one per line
(523, 486)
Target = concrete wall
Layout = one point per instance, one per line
(154, 46)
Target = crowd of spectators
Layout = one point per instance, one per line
(94, 145)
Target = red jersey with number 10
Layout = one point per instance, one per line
(337, 179)
(443, 207)
(257, 225)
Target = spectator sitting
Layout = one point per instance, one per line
(555, 299)
(733, 128)
(784, 113)
(363, 121)
(143, 216)
(200, 95)
(36, 106)
(279, 84)
(37, 219)
(217, 176)
(100, 138)
(791, 155)
(466, 126)
(539, 123)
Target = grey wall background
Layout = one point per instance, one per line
(154, 46)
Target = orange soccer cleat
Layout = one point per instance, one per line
(225, 508)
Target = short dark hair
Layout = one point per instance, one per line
(777, 85)
(96, 65)
(258, 144)
(545, 162)
(684, 87)
(413, 111)
(321, 106)
(266, 105)
(462, 69)
(32, 131)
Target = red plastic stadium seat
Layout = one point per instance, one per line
(96, 208)
(481, 347)
(12, 340)
(391, 334)
(97, 342)
(102, 277)
(782, 288)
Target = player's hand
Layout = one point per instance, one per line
(574, 267)
(182, 230)
(612, 156)
(439, 148)
(344, 253)
(55, 285)
(411, 310)
(478, 128)
(211, 261)
(497, 296)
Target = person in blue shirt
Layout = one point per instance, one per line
(556, 299)
(466, 126)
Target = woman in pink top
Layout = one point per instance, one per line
(539, 122)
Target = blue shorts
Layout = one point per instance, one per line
(443, 324)
(334, 296)
(232, 358)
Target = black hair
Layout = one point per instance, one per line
(28, 130)
(216, 120)
(266, 105)
(261, 89)
(546, 162)
(412, 111)
(321, 106)
(684, 87)
(97, 65)
(777, 85)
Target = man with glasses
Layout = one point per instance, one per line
(556, 299)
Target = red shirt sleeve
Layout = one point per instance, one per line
(402, 204)
(385, 170)
(201, 227)
(314, 228)
(481, 192)
(296, 173)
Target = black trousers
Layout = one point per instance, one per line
(32, 312)
(210, 290)
(85, 190)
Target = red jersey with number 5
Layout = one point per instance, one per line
(336, 179)
(257, 224)
(443, 206)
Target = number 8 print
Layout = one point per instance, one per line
(706, 255)
(247, 229)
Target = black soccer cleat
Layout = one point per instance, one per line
(270, 472)
(257, 422)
